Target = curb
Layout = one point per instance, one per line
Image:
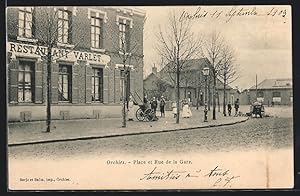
(123, 134)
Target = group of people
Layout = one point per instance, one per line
(154, 104)
(186, 110)
(236, 107)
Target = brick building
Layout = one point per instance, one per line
(278, 91)
(192, 86)
(87, 66)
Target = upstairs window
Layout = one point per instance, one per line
(96, 31)
(25, 22)
(64, 26)
(124, 36)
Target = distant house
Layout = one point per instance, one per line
(192, 84)
(277, 91)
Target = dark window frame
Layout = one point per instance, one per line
(64, 22)
(94, 35)
(25, 20)
(23, 85)
(69, 77)
(100, 85)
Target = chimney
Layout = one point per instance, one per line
(154, 69)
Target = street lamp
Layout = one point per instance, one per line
(205, 72)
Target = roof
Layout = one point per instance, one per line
(274, 84)
(194, 65)
(158, 78)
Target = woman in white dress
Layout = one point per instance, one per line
(186, 111)
(130, 109)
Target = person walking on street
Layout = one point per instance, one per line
(154, 105)
(229, 109)
(162, 106)
(236, 106)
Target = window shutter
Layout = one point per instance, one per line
(13, 81)
(39, 82)
(70, 31)
(117, 86)
(101, 34)
(105, 85)
(132, 78)
(75, 77)
(88, 95)
(54, 83)
(127, 38)
(33, 22)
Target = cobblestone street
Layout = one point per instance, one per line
(255, 134)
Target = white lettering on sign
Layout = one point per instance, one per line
(58, 53)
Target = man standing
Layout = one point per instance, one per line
(229, 109)
(236, 106)
(162, 106)
(154, 105)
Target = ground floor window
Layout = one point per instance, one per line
(122, 83)
(64, 83)
(189, 96)
(276, 97)
(97, 85)
(26, 82)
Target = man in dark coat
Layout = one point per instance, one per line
(154, 105)
(236, 106)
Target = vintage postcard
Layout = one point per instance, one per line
(149, 97)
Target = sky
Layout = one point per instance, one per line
(260, 35)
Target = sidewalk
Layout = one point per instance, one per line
(66, 130)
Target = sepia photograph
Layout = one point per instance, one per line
(149, 97)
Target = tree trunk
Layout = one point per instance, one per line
(208, 95)
(124, 93)
(224, 98)
(178, 93)
(197, 102)
(49, 86)
(214, 98)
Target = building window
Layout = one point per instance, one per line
(276, 94)
(25, 22)
(260, 94)
(122, 83)
(96, 31)
(97, 85)
(26, 82)
(64, 26)
(276, 97)
(64, 83)
(124, 36)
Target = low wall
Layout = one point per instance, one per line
(61, 112)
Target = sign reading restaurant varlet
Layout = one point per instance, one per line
(18, 49)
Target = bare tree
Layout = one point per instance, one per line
(213, 49)
(127, 48)
(228, 72)
(49, 31)
(177, 44)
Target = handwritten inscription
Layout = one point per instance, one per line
(220, 177)
(233, 12)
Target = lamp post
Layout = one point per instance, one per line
(205, 72)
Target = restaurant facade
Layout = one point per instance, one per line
(87, 61)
